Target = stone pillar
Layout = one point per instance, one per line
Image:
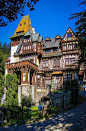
(33, 77)
(21, 76)
(19, 95)
(32, 93)
(29, 76)
(48, 90)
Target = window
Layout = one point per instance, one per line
(67, 61)
(43, 63)
(69, 34)
(24, 76)
(73, 60)
(58, 39)
(64, 47)
(47, 51)
(46, 62)
(58, 62)
(24, 23)
(54, 50)
(47, 41)
(74, 45)
(28, 46)
(57, 79)
(20, 24)
(54, 62)
(24, 47)
(70, 46)
(70, 62)
(67, 77)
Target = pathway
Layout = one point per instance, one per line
(73, 120)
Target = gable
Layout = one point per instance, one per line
(69, 36)
(57, 37)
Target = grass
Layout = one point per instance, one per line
(34, 108)
(53, 109)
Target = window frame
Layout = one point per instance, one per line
(64, 46)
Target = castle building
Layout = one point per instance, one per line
(42, 62)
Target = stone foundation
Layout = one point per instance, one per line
(56, 97)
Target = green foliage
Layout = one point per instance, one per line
(81, 31)
(4, 53)
(9, 9)
(1, 85)
(26, 100)
(11, 86)
(81, 21)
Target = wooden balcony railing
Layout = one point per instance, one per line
(23, 63)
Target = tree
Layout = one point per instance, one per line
(9, 9)
(4, 53)
(1, 85)
(81, 22)
(11, 86)
(81, 31)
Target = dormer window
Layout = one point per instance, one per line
(55, 50)
(47, 51)
(58, 39)
(47, 40)
(24, 23)
(20, 24)
(19, 32)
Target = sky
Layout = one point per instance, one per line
(49, 18)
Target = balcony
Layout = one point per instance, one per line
(21, 64)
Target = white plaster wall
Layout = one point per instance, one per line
(6, 71)
(12, 58)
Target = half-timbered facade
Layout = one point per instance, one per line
(42, 62)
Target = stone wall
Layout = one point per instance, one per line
(56, 98)
(38, 96)
(26, 90)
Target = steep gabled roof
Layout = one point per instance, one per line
(57, 37)
(47, 38)
(23, 27)
(35, 37)
(66, 38)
